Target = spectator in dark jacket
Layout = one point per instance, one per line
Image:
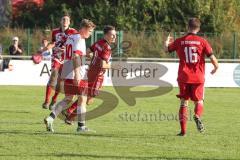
(15, 49)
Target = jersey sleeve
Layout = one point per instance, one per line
(208, 49)
(73, 31)
(106, 54)
(173, 46)
(78, 47)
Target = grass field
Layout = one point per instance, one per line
(122, 133)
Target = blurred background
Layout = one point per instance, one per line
(142, 24)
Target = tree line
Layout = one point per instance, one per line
(169, 15)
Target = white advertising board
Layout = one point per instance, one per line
(25, 72)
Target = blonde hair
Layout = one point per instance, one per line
(87, 24)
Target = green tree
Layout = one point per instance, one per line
(216, 15)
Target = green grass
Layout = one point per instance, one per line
(23, 135)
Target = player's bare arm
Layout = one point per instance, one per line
(214, 61)
(89, 53)
(168, 41)
(107, 65)
(76, 65)
(49, 47)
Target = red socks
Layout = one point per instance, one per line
(198, 110)
(73, 107)
(183, 117)
(70, 111)
(54, 98)
(48, 93)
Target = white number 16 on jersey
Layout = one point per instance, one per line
(191, 54)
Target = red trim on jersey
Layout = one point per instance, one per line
(68, 31)
(78, 52)
(76, 33)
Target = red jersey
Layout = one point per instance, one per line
(60, 37)
(102, 51)
(191, 50)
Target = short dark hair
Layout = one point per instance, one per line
(87, 23)
(194, 23)
(108, 28)
(66, 15)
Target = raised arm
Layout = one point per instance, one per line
(168, 41)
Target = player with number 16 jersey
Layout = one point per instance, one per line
(191, 50)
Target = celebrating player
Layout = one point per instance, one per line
(100, 62)
(59, 36)
(75, 76)
(191, 50)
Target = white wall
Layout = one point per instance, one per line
(25, 72)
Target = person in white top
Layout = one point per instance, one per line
(74, 75)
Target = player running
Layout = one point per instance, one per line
(100, 62)
(59, 36)
(191, 50)
(75, 76)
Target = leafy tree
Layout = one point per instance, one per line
(216, 15)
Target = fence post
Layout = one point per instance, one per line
(174, 37)
(28, 41)
(234, 45)
(119, 43)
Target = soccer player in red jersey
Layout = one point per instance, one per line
(75, 76)
(59, 36)
(191, 50)
(100, 62)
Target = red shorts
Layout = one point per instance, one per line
(71, 89)
(194, 91)
(94, 85)
(56, 64)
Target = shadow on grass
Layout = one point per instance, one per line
(85, 156)
(14, 111)
(90, 134)
(20, 122)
